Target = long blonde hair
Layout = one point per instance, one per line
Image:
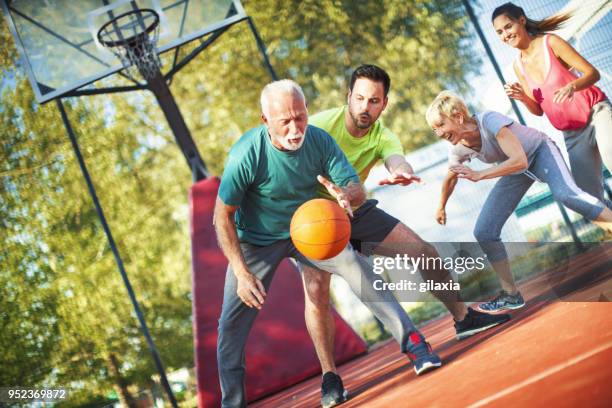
(534, 27)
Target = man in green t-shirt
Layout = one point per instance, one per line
(269, 172)
(363, 138)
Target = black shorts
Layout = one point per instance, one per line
(370, 226)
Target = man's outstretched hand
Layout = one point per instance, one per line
(401, 179)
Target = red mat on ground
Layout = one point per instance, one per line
(280, 352)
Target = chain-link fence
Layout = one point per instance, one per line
(589, 30)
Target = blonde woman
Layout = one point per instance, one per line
(547, 85)
(521, 155)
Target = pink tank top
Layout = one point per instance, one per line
(571, 114)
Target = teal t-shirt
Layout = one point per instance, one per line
(268, 184)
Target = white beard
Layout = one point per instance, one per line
(284, 141)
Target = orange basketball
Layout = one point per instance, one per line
(320, 229)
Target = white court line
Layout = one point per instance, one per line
(541, 375)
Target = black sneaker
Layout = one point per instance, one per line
(475, 322)
(503, 301)
(421, 354)
(332, 390)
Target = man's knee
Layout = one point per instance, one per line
(234, 324)
(316, 284)
(226, 331)
(401, 233)
(429, 250)
(402, 240)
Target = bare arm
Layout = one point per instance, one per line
(448, 186)
(227, 238)
(397, 163)
(517, 91)
(566, 53)
(400, 171)
(355, 193)
(516, 161)
(250, 289)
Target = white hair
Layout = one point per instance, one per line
(286, 86)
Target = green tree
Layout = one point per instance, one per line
(422, 44)
(61, 297)
(66, 317)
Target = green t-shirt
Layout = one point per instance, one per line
(268, 184)
(362, 152)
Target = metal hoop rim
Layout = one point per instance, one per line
(133, 39)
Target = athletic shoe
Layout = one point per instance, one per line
(475, 322)
(332, 390)
(421, 355)
(503, 301)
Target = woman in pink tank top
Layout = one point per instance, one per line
(572, 103)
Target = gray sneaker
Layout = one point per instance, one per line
(503, 301)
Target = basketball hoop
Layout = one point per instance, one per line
(132, 37)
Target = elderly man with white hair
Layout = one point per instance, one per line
(270, 171)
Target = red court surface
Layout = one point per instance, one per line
(554, 352)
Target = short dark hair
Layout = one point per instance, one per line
(372, 72)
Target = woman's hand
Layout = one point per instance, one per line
(515, 91)
(466, 173)
(564, 94)
(441, 216)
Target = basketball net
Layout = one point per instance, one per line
(132, 37)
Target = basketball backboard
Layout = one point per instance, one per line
(57, 39)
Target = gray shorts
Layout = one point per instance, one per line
(370, 226)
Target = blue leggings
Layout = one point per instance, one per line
(547, 166)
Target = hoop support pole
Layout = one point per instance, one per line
(115, 250)
(175, 120)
